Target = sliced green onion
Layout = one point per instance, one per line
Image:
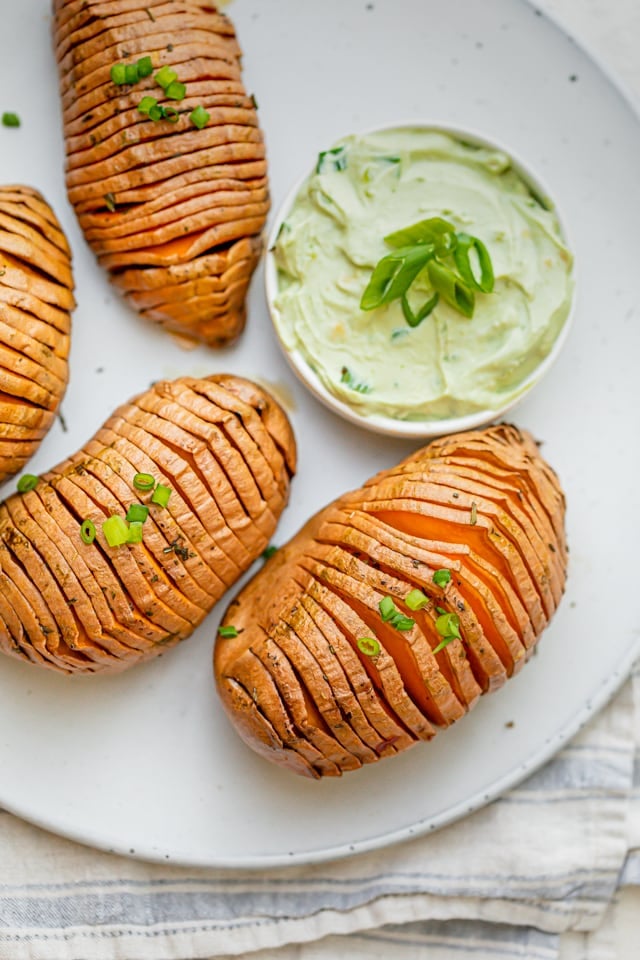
(443, 643)
(435, 230)
(414, 319)
(369, 646)
(131, 73)
(394, 274)
(116, 531)
(448, 625)
(269, 552)
(474, 513)
(145, 67)
(387, 608)
(441, 577)
(146, 104)
(137, 513)
(452, 288)
(416, 600)
(462, 255)
(199, 117)
(88, 531)
(175, 90)
(161, 495)
(156, 112)
(28, 481)
(400, 622)
(168, 113)
(165, 76)
(118, 73)
(440, 610)
(135, 532)
(227, 632)
(10, 120)
(144, 481)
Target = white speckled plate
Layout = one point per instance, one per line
(145, 763)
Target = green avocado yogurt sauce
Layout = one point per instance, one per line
(449, 365)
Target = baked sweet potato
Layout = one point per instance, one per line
(224, 450)
(36, 297)
(397, 606)
(174, 212)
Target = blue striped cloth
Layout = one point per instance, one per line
(506, 882)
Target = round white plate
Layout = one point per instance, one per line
(145, 763)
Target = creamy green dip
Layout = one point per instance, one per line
(369, 186)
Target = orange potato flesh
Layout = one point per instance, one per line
(123, 168)
(82, 607)
(497, 526)
(36, 297)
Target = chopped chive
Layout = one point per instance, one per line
(10, 120)
(135, 532)
(88, 531)
(165, 76)
(348, 378)
(145, 67)
(146, 104)
(332, 160)
(28, 481)
(175, 90)
(441, 577)
(116, 531)
(110, 202)
(199, 117)
(387, 608)
(161, 495)
(137, 513)
(227, 632)
(131, 74)
(144, 481)
(369, 646)
(440, 610)
(416, 600)
(269, 552)
(118, 73)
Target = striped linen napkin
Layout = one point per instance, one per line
(506, 882)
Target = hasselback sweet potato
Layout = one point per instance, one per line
(221, 450)
(397, 605)
(174, 212)
(36, 297)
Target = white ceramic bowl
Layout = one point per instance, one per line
(390, 426)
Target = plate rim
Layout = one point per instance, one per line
(601, 696)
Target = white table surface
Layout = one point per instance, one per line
(610, 30)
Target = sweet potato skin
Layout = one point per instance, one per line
(36, 299)
(173, 212)
(225, 450)
(484, 507)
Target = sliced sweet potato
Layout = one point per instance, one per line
(149, 194)
(465, 538)
(36, 298)
(225, 450)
